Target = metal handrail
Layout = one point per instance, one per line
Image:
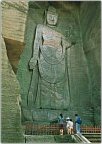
(79, 138)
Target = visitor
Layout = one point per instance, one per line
(78, 122)
(61, 123)
(69, 126)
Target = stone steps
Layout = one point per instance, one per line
(93, 137)
(49, 138)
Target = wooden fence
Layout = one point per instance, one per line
(91, 129)
(38, 129)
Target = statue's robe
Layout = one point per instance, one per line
(49, 88)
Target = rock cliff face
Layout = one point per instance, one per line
(11, 131)
(78, 21)
(13, 27)
(80, 85)
(90, 22)
(14, 16)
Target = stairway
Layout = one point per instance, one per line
(49, 139)
(64, 139)
(79, 138)
(93, 137)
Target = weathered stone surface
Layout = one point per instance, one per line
(90, 20)
(14, 50)
(10, 111)
(14, 14)
(13, 27)
(83, 63)
(79, 80)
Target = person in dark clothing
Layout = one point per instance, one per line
(61, 123)
(78, 122)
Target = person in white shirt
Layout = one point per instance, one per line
(69, 126)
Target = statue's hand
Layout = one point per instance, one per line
(32, 63)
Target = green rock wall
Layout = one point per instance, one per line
(80, 25)
(90, 20)
(69, 24)
(11, 131)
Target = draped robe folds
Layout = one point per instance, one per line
(49, 88)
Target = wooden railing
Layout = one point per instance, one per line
(39, 129)
(91, 129)
(34, 129)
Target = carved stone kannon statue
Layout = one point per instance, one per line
(49, 88)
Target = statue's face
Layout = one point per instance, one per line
(52, 18)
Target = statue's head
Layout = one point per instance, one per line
(52, 16)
